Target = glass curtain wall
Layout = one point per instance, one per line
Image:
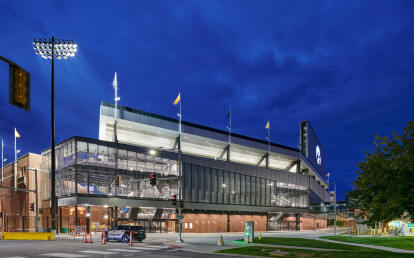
(90, 168)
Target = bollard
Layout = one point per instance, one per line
(90, 238)
(260, 236)
(130, 238)
(220, 240)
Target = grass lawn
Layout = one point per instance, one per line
(396, 242)
(257, 251)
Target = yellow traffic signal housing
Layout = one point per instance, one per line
(19, 87)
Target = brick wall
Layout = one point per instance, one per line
(216, 223)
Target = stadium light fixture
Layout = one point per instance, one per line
(61, 49)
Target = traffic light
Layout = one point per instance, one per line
(19, 87)
(117, 181)
(153, 179)
(32, 206)
(174, 200)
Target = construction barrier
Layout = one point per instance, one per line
(27, 236)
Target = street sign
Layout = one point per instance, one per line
(180, 217)
(410, 225)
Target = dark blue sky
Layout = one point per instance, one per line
(346, 66)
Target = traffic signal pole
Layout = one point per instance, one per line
(37, 203)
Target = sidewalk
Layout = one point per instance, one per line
(209, 245)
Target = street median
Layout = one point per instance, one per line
(26, 236)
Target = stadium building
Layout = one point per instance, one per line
(226, 180)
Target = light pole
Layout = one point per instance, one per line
(62, 49)
(334, 202)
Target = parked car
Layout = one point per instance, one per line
(123, 232)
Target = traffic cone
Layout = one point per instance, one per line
(90, 238)
(85, 238)
(104, 238)
(130, 238)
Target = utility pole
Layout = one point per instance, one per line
(334, 183)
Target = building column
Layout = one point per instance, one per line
(228, 221)
(60, 219)
(76, 215)
(116, 216)
(88, 223)
(298, 221)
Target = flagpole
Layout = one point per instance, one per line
(230, 128)
(180, 176)
(15, 159)
(268, 135)
(115, 84)
(2, 160)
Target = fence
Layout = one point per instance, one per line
(28, 224)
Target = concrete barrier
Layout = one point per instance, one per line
(26, 236)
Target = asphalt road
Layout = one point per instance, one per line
(156, 245)
(70, 248)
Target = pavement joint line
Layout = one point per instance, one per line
(224, 254)
(378, 247)
(97, 252)
(124, 250)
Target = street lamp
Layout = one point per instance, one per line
(334, 203)
(51, 48)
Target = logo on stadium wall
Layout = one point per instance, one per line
(318, 155)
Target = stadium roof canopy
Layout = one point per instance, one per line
(142, 128)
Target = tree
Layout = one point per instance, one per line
(384, 187)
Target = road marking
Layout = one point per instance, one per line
(124, 250)
(64, 255)
(97, 252)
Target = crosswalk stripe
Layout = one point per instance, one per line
(64, 255)
(124, 250)
(97, 252)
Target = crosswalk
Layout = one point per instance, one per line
(108, 251)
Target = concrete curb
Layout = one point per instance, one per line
(203, 252)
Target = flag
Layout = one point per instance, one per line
(16, 134)
(267, 125)
(178, 99)
(115, 82)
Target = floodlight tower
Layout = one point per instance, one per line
(61, 49)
